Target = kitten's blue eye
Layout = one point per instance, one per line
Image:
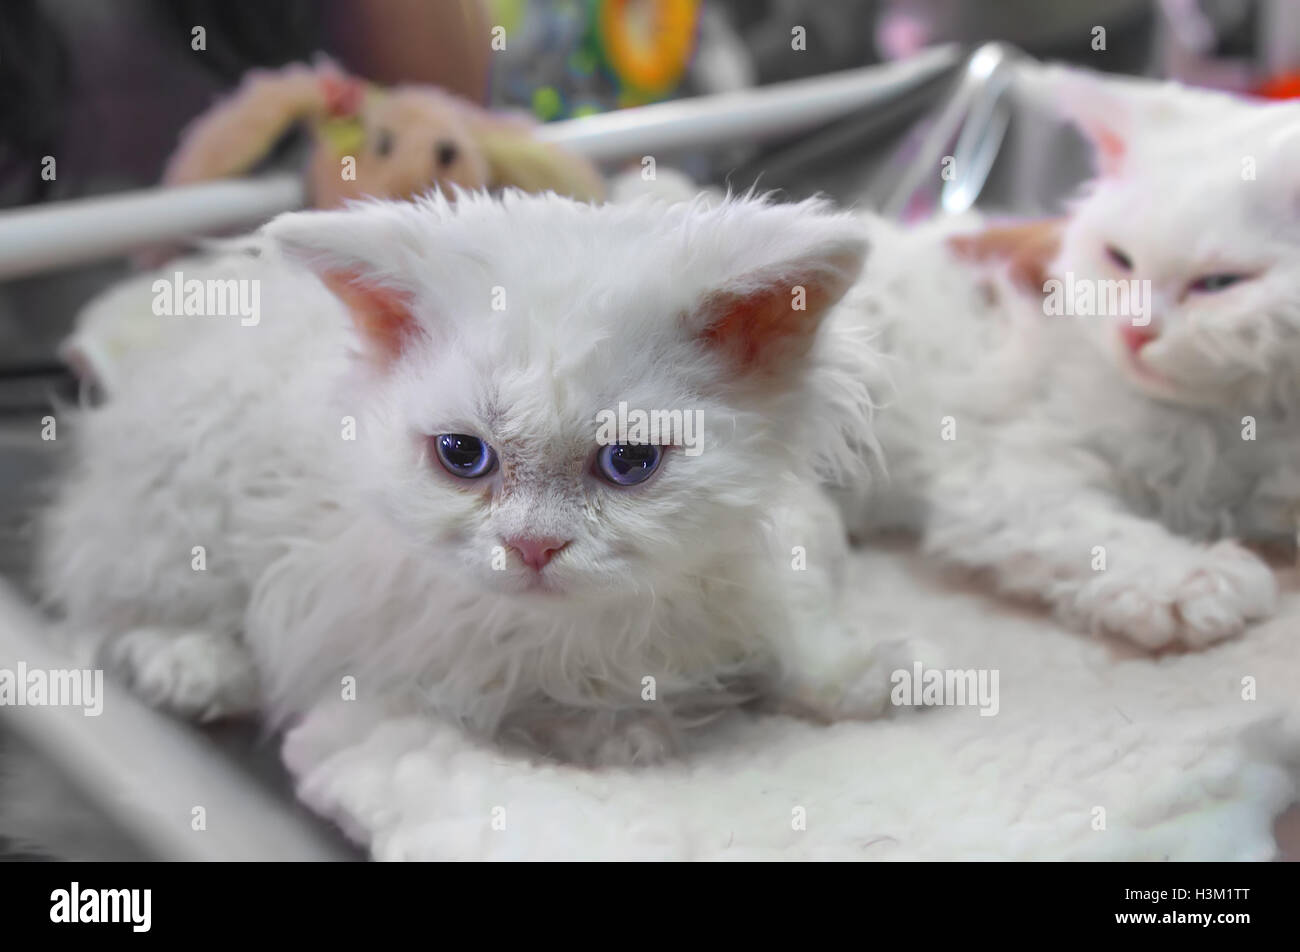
(465, 456)
(1216, 282)
(626, 464)
(1119, 259)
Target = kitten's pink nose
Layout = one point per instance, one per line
(1136, 337)
(536, 552)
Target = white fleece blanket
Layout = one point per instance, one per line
(1095, 753)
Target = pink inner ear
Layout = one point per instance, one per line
(382, 314)
(759, 329)
(1110, 151)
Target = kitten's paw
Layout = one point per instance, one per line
(639, 743)
(195, 674)
(600, 738)
(1207, 595)
(861, 688)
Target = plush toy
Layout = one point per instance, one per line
(371, 141)
(364, 141)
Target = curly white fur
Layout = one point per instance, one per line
(336, 558)
(1047, 453)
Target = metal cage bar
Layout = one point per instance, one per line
(64, 234)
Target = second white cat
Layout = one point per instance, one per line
(1110, 463)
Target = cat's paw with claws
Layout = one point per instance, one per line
(195, 674)
(1193, 599)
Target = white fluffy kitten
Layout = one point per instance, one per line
(500, 577)
(1089, 462)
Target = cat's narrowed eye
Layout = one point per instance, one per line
(1210, 283)
(626, 464)
(465, 456)
(1119, 259)
(383, 143)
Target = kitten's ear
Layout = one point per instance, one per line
(767, 314)
(363, 256)
(1118, 113)
(1097, 109)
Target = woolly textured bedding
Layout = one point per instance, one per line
(1095, 753)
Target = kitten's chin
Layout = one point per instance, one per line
(549, 585)
(1141, 373)
(1148, 380)
(539, 585)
